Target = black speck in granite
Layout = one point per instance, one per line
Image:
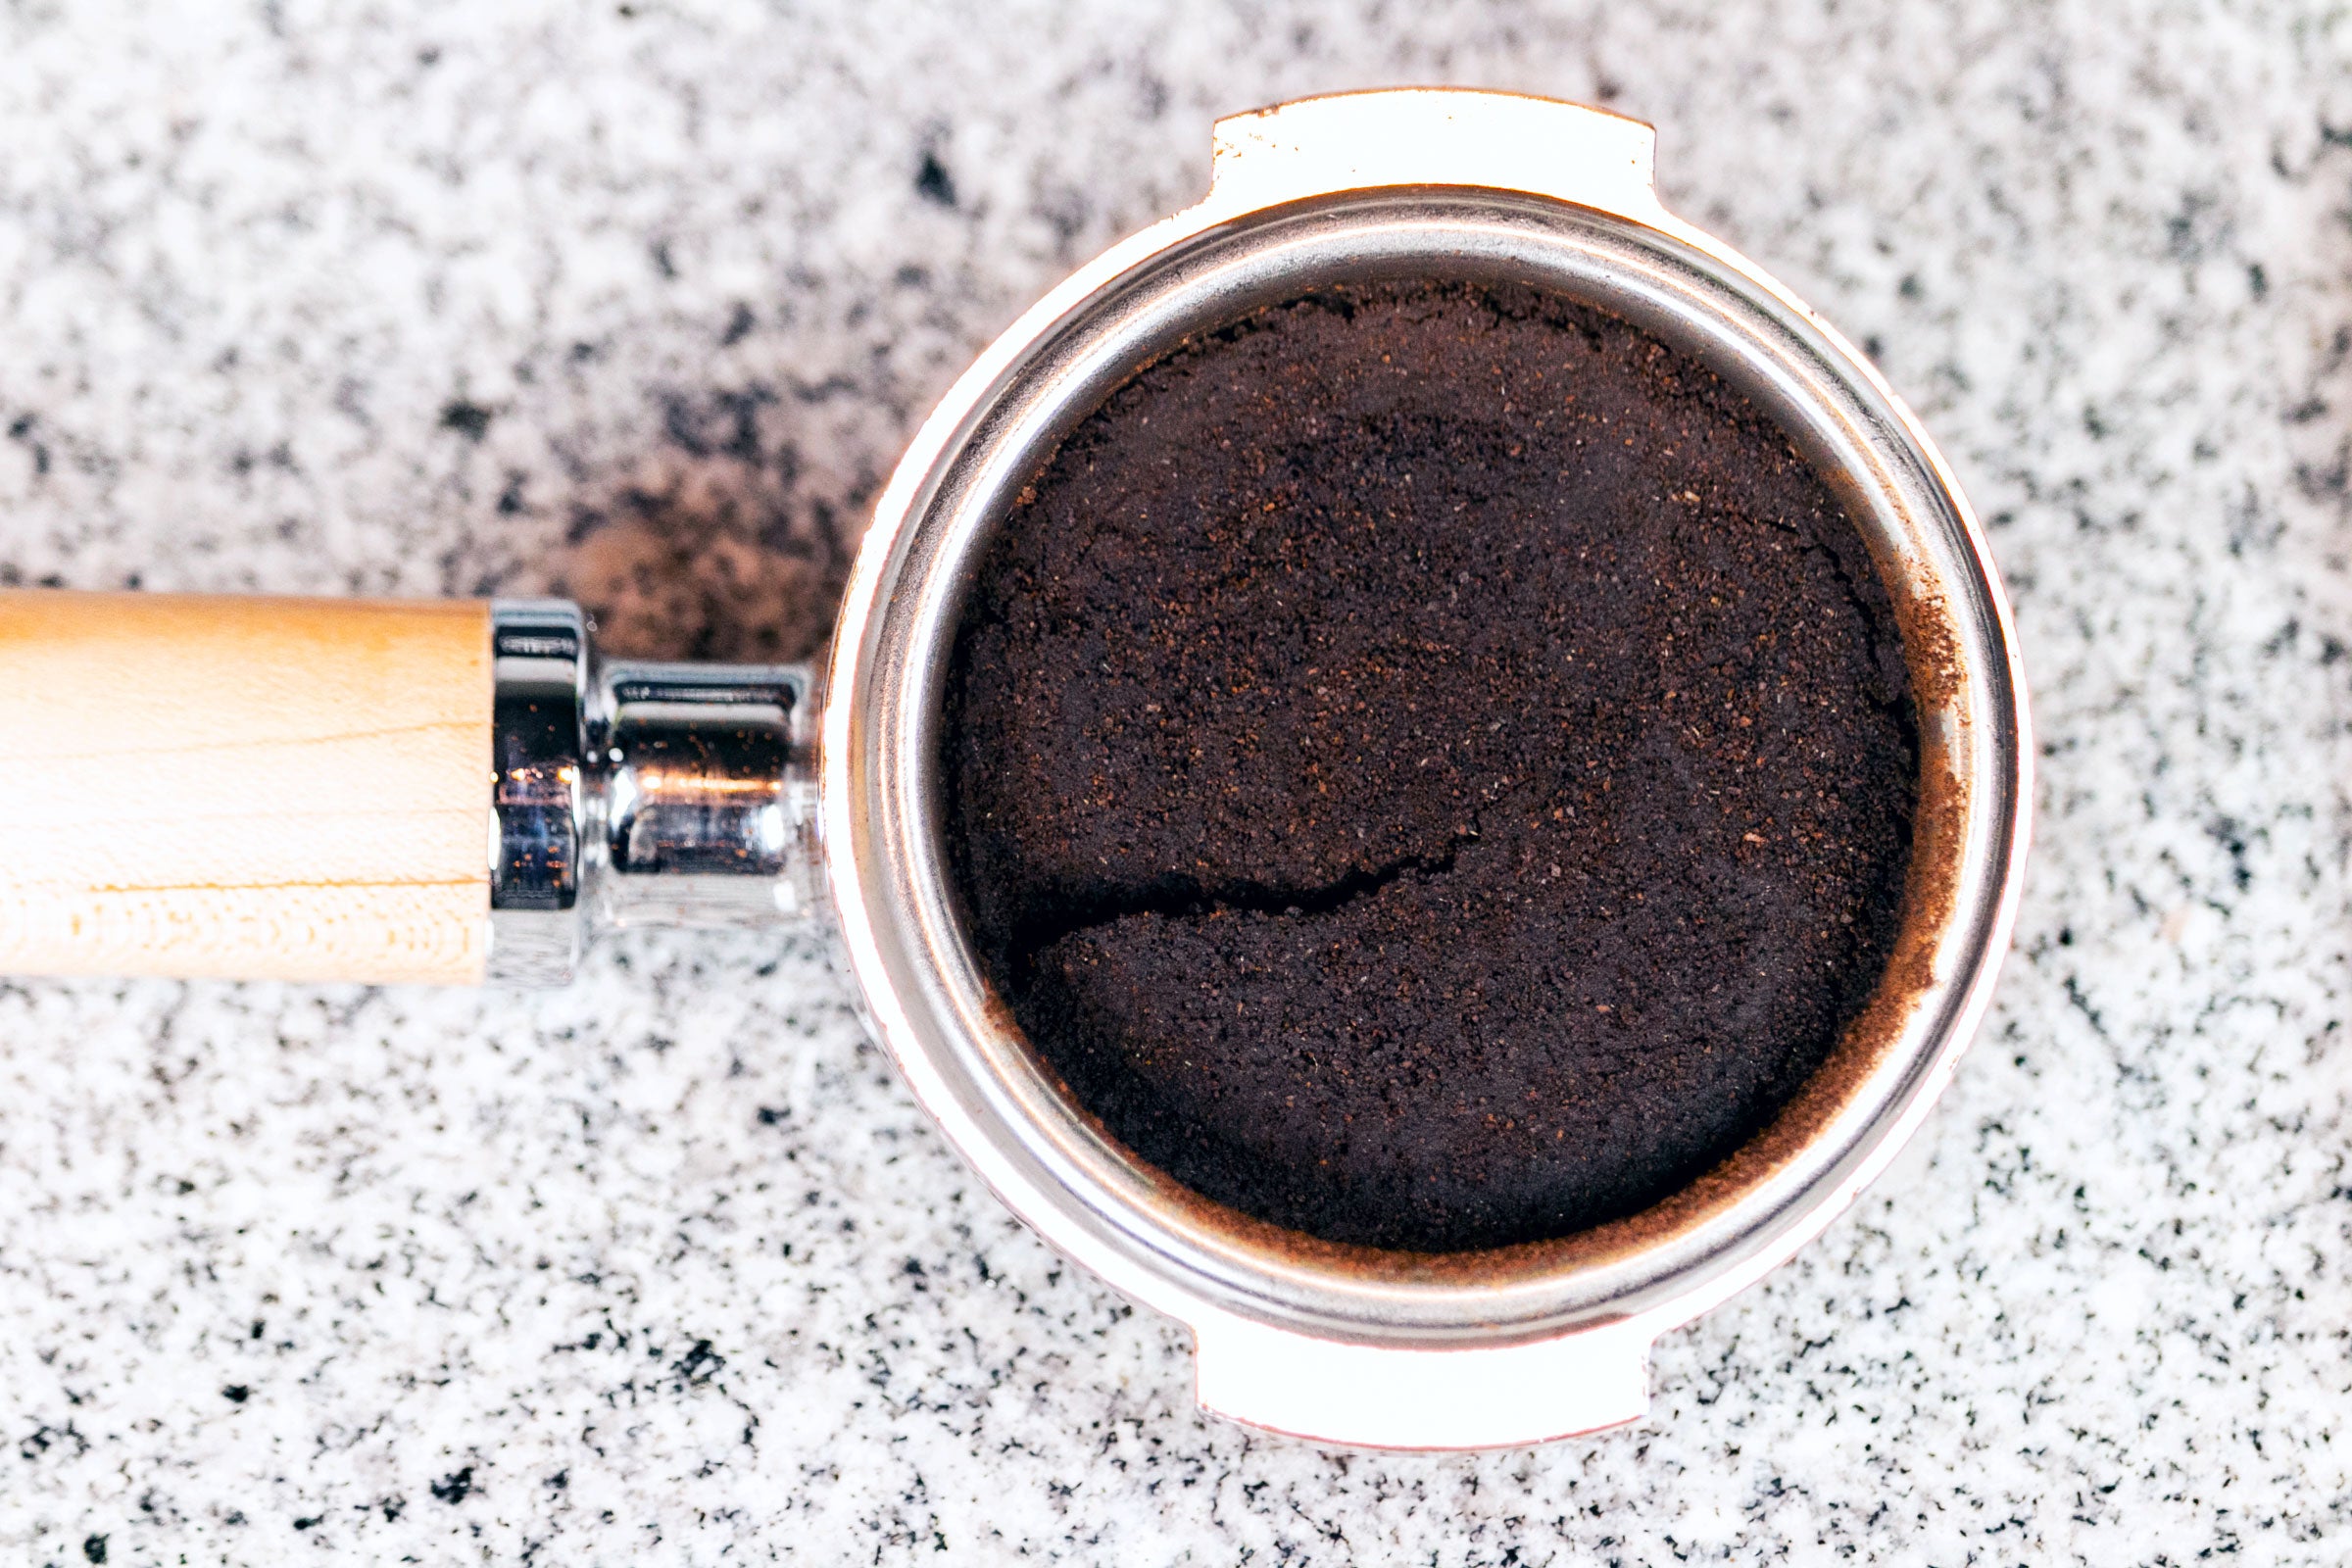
(467, 418)
(699, 1364)
(24, 429)
(1431, 766)
(933, 182)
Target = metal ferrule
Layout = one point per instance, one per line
(638, 794)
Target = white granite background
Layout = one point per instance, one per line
(415, 298)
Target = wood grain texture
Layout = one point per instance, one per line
(244, 788)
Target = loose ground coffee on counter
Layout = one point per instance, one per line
(1430, 766)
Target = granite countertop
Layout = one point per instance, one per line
(640, 302)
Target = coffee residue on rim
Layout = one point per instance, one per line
(1430, 766)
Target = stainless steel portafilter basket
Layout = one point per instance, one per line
(457, 791)
(1351, 1344)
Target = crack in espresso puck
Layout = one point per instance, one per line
(1430, 766)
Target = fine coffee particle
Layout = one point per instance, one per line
(1430, 765)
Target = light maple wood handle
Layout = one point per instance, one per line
(244, 788)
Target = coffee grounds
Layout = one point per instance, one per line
(1430, 766)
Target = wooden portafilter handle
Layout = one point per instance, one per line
(377, 791)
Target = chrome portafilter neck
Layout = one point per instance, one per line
(634, 793)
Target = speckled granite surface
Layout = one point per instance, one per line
(666, 1268)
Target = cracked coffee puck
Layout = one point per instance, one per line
(1430, 766)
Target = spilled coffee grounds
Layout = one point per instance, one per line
(1430, 766)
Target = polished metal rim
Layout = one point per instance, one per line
(960, 1047)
